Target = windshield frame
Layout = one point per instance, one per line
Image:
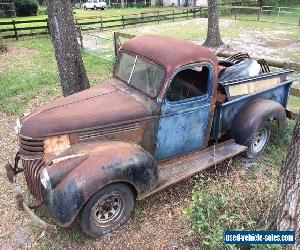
(147, 60)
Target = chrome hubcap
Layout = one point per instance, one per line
(108, 210)
(260, 139)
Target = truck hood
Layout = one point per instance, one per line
(99, 106)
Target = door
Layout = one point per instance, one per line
(185, 112)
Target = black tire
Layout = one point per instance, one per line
(258, 142)
(84, 8)
(93, 217)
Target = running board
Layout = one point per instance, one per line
(181, 168)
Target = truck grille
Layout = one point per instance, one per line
(98, 133)
(32, 170)
(31, 147)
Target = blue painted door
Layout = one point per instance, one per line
(183, 124)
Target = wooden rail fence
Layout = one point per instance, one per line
(17, 28)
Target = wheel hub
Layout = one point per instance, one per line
(107, 210)
(259, 140)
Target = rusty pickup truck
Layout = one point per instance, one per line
(171, 109)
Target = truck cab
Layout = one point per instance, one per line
(162, 118)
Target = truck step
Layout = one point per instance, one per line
(175, 170)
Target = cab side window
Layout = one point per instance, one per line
(189, 83)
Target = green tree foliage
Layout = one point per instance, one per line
(26, 7)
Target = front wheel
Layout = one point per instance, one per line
(258, 142)
(107, 210)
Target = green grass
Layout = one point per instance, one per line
(117, 12)
(110, 17)
(236, 194)
(293, 20)
(103, 13)
(32, 71)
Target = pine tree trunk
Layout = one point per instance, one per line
(213, 38)
(72, 73)
(284, 214)
(123, 3)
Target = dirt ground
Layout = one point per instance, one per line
(157, 221)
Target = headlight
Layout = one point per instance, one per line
(45, 180)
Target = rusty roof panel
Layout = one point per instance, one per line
(169, 52)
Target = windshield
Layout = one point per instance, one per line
(139, 74)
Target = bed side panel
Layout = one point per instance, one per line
(226, 113)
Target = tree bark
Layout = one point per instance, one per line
(72, 73)
(213, 38)
(284, 214)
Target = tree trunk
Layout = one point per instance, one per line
(72, 73)
(284, 214)
(213, 38)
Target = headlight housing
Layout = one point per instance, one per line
(45, 179)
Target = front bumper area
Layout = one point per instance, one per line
(11, 173)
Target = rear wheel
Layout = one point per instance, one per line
(107, 210)
(258, 142)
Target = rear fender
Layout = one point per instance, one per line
(105, 163)
(256, 114)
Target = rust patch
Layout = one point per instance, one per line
(56, 145)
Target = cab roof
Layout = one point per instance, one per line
(171, 53)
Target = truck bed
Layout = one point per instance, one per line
(271, 86)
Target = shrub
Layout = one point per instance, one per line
(43, 11)
(26, 7)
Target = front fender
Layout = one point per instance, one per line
(106, 162)
(256, 114)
